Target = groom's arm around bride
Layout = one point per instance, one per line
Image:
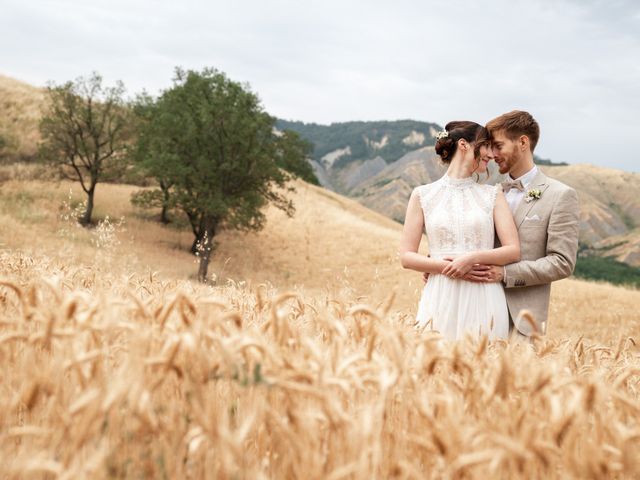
(546, 214)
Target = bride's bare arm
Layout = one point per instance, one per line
(410, 241)
(509, 252)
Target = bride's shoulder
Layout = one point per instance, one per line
(427, 191)
(432, 185)
(426, 187)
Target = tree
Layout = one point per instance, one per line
(291, 146)
(211, 141)
(85, 131)
(153, 156)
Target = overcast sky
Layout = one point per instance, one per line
(575, 65)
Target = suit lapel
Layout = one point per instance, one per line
(540, 182)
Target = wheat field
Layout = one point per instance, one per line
(299, 361)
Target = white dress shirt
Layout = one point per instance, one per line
(515, 196)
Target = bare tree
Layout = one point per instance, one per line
(85, 131)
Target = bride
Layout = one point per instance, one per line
(461, 218)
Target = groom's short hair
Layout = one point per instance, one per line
(514, 124)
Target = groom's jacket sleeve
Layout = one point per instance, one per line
(561, 249)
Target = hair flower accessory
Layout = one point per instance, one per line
(533, 194)
(442, 134)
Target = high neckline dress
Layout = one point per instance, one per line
(458, 218)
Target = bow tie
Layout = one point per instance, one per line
(509, 184)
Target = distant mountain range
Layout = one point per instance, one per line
(357, 159)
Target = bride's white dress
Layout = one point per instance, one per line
(458, 217)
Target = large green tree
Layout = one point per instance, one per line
(215, 152)
(85, 131)
(154, 156)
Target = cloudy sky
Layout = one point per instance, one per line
(575, 65)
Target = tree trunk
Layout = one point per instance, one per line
(164, 215)
(205, 247)
(164, 218)
(86, 216)
(196, 228)
(205, 256)
(194, 246)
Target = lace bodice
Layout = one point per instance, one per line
(458, 215)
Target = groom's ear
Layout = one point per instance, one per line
(523, 143)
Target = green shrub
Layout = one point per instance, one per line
(607, 269)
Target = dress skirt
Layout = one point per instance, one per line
(456, 308)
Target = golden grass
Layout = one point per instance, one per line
(21, 105)
(117, 366)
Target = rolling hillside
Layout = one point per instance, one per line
(20, 110)
(610, 209)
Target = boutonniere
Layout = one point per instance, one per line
(533, 194)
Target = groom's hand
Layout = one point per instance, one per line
(496, 273)
(479, 273)
(485, 273)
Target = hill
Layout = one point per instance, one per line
(610, 209)
(347, 153)
(20, 111)
(361, 140)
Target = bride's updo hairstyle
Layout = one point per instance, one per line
(446, 146)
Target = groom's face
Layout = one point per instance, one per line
(505, 153)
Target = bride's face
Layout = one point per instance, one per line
(478, 159)
(485, 155)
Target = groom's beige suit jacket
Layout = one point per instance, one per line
(548, 230)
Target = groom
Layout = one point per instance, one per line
(546, 214)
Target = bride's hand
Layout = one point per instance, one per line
(458, 267)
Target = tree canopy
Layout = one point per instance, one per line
(215, 152)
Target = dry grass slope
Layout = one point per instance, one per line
(610, 208)
(300, 362)
(21, 106)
